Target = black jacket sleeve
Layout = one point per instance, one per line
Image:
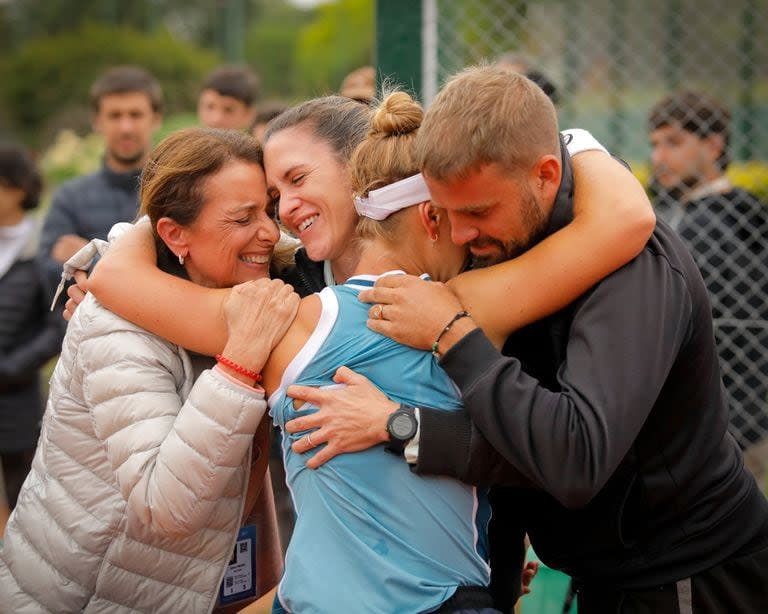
(623, 339)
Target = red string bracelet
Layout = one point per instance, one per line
(238, 368)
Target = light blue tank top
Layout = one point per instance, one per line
(370, 535)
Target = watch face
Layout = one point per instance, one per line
(402, 426)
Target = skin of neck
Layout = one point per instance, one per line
(709, 175)
(345, 265)
(123, 167)
(11, 212)
(406, 253)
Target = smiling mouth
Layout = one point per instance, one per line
(307, 223)
(262, 259)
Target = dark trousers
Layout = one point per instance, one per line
(16, 466)
(737, 586)
(469, 600)
(466, 600)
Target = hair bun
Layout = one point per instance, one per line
(398, 114)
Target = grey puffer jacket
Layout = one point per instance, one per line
(137, 486)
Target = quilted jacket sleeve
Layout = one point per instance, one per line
(171, 458)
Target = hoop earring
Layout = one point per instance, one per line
(434, 239)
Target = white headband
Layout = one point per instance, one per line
(393, 197)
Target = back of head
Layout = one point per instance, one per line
(518, 62)
(267, 112)
(514, 61)
(173, 181)
(486, 115)
(387, 155)
(18, 170)
(238, 82)
(127, 80)
(336, 120)
(694, 112)
(360, 84)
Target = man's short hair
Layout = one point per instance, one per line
(126, 80)
(486, 115)
(236, 81)
(694, 112)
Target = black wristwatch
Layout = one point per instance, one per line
(401, 426)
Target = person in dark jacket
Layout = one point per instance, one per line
(126, 102)
(603, 426)
(726, 229)
(29, 334)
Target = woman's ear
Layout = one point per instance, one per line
(429, 216)
(173, 235)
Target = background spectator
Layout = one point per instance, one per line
(726, 229)
(228, 98)
(265, 114)
(126, 102)
(29, 334)
(360, 84)
(517, 62)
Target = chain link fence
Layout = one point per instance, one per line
(610, 62)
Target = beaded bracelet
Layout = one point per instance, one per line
(255, 376)
(458, 316)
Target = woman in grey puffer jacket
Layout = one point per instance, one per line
(145, 471)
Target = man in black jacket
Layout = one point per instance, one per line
(603, 426)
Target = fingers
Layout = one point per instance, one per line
(345, 375)
(383, 295)
(69, 310)
(308, 442)
(75, 293)
(323, 455)
(306, 393)
(305, 423)
(81, 279)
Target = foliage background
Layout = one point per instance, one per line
(51, 51)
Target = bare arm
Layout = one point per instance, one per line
(128, 282)
(613, 221)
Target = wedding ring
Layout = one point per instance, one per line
(309, 440)
(378, 312)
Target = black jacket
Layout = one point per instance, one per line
(306, 276)
(29, 336)
(608, 424)
(728, 236)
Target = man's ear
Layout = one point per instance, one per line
(546, 175)
(715, 144)
(173, 235)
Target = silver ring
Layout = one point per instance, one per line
(309, 440)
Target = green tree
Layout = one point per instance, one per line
(46, 81)
(339, 39)
(271, 46)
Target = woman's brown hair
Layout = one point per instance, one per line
(173, 181)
